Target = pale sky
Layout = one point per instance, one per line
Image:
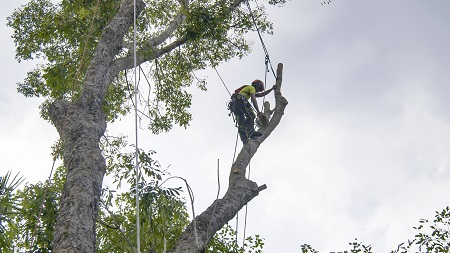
(361, 152)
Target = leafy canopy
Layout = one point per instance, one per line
(63, 35)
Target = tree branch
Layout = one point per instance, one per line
(240, 190)
(173, 25)
(184, 3)
(128, 62)
(98, 75)
(148, 52)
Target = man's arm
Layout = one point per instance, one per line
(262, 94)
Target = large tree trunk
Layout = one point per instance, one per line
(80, 131)
(82, 123)
(240, 190)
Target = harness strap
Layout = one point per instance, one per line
(238, 96)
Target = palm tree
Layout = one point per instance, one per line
(8, 207)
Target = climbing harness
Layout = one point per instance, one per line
(243, 116)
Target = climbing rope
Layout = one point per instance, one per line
(222, 81)
(217, 196)
(191, 197)
(267, 61)
(265, 80)
(266, 52)
(85, 48)
(246, 208)
(138, 231)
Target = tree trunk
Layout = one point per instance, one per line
(80, 130)
(240, 190)
(80, 125)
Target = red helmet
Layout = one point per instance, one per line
(258, 84)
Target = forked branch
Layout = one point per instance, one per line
(240, 190)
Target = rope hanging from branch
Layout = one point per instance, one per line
(138, 232)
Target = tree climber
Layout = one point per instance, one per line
(243, 111)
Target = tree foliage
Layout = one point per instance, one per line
(28, 215)
(432, 236)
(64, 35)
(9, 206)
(225, 242)
(38, 211)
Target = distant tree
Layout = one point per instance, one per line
(431, 237)
(87, 51)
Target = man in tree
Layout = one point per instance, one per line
(243, 111)
(87, 48)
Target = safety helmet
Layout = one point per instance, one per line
(258, 84)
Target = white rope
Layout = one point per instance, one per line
(165, 244)
(138, 232)
(217, 197)
(246, 210)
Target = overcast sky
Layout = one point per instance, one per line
(361, 152)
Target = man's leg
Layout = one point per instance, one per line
(250, 122)
(240, 120)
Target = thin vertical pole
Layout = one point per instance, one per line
(138, 232)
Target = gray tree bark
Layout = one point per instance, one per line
(82, 123)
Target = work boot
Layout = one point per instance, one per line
(255, 134)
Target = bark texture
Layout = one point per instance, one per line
(240, 190)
